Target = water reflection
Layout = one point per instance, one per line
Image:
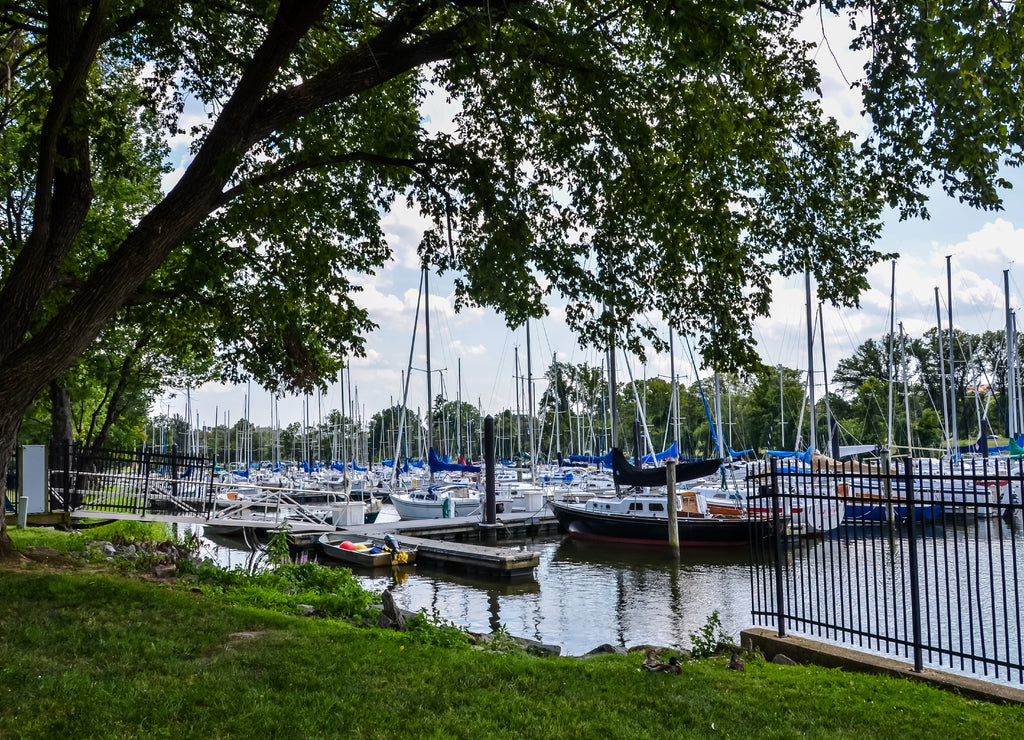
(584, 594)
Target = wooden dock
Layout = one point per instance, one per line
(458, 542)
(455, 542)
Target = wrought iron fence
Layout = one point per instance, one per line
(11, 488)
(920, 559)
(130, 481)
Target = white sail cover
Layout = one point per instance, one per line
(847, 450)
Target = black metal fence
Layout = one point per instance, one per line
(920, 560)
(130, 481)
(11, 495)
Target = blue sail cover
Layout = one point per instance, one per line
(734, 454)
(672, 451)
(438, 465)
(605, 460)
(805, 456)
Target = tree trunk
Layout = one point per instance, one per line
(61, 415)
(10, 418)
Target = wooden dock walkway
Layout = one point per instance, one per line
(459, 542)
(435, 541)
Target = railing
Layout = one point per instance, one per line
(922, 561)
(130, 481)
(11, 496)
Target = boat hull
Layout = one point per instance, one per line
(693, 532)
(330, 545)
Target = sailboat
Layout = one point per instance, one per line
(641, 517)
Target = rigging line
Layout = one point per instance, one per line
(499, 371)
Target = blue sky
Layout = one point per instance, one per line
(982, 245)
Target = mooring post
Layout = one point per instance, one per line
(778, 527)
(490, 508)
(673, 511)
(174, 477)
(915, 580)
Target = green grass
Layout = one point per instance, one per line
(67, 542)
(92, 654)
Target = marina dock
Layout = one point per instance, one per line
(459, 542)
(456, 542)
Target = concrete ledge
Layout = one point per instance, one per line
(811, 652)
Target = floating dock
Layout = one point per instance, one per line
(455, 542)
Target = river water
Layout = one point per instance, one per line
(584, 594)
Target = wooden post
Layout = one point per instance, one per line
(673, 514)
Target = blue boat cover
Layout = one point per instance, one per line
(438, 465)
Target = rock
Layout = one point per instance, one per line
(107, 548)
(544, 651)
(307, 610)
(390, 616)
(607, 649)
(781, 659)
(165, 571)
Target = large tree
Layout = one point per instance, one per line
(633, 157)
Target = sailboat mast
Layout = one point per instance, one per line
(458, 412)
(906, 388)
(529, 412)
(558, 431)
(810, 355)
(782, 413)
(718, 417)
(942, 366)
(675, 388)
(519, 408)
(955, 447)
(892, 345)
(430, 400)
(1011, 364)
(832, 437)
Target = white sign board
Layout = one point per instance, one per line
(32, 478)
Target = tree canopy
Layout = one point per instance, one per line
(630, 157)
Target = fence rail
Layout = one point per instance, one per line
(130, 481)
(918, 559)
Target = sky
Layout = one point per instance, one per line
(981, 246)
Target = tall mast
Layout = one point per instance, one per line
(1011, 364)
(952, 368)
(612, 391)
(833, 440)
(558, 431)
(782, 413)
(519, 408)
(810, 354)
(906, 388)
(718, 417)
(458, 412)
(430, 400)
(529, 411)
(675, 388)
(892, 344)
(942, 367)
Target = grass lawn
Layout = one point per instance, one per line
(90, 653)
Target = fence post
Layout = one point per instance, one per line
(174, 476)
(69, 505)
(211, 496)
(915, 585)
(777, 530)
(147, 460)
